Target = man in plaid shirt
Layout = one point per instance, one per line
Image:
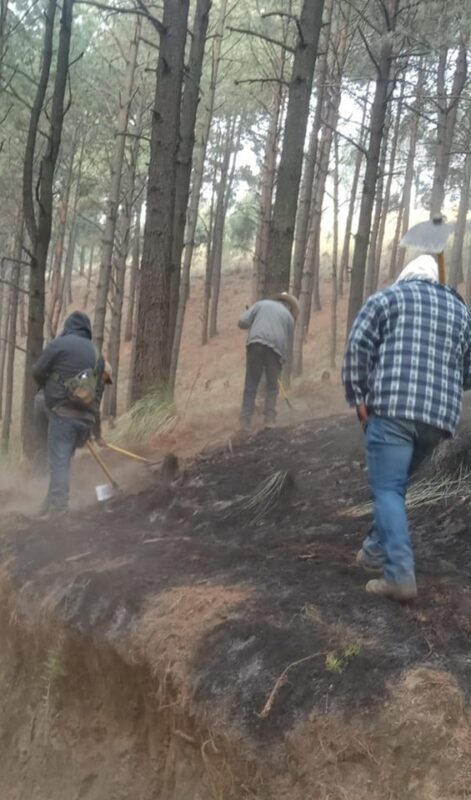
(407, 362)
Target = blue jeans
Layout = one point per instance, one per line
(394, 449)
(64, 435)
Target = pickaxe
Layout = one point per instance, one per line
(430, 237)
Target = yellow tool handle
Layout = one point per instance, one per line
(282, 389)
(102, 464)
(441, 267)
(127, 453)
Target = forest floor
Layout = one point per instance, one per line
(206, 635)
(210, 637)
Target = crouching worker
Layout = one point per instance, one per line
(70, 370)
(406, 364)
(271, 325)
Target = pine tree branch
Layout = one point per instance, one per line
(265, 38)
(261, 80)
(142, 11)
(355, 144)
(369, 50)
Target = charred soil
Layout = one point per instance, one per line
(211, 637)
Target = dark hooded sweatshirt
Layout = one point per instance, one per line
(65, 357)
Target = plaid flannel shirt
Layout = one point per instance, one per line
(408, 354)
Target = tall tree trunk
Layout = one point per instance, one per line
(89, 275)
(387, 193)
(120, 281)
(345, 258)
(199, 158)
(383, 92)
(13, 318)
(305, 195)
(191, 93)
(4, 313)
(40, 230)
(456, 260)
(83, 251)
(136, 252)
(152, 363)
(115, 189)
(56, 287)
(208, 278)
(66, 294)
(467, 289)
(281, 233)
(446, 121)
(309, 293)
(66, 284)
(402, 224)
(3, 35)
(121, 253)
(371, 265)
(224, 196)
(268, 177)
(5, 309)
(22, 304)
(335, 257)
(339, 46)
(311, 263)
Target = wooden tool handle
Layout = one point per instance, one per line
(126, 453)
(441, 267)
(102, 464)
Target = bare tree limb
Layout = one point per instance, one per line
(363, 16)
(262, 80)
(351, 141)
(369, 50)
(142, 11)
(265, 38)
(161, 30)
(17, 346)
(286, 14)
(14, 286)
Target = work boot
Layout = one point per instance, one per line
(51, 513)
(396, 591)
(375, 567)
(43, 512)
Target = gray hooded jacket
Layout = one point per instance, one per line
(269, 323)
(66, 356)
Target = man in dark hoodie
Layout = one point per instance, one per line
(70, 423)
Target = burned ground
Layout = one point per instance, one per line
(268, 521)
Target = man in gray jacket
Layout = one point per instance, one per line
(271, 325)
(70, 422)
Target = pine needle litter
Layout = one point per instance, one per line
(265, 496)
(426, 492)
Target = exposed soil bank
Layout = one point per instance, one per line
(211, 638)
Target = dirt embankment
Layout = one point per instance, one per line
(211, 637)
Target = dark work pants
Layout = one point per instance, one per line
(64, 436)
(261, 360)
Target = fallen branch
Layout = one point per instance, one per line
(281, 681)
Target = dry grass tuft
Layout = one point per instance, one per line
(426, 492)
(151, 416)
(262, 500)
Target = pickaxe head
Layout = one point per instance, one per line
(429, 237)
